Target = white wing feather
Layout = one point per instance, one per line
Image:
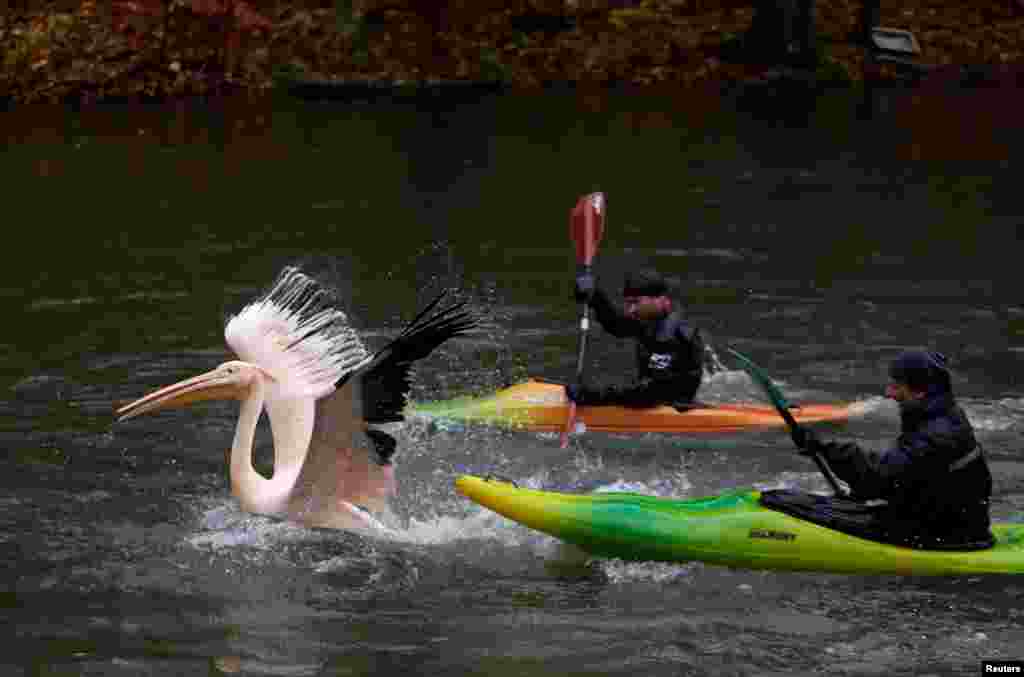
(297, 333)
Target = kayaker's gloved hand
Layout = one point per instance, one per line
(809, 444)
(581, 394)
(585, 286)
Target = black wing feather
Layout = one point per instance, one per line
(385, 379)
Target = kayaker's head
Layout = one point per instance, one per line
(646, 295)
(916, 374)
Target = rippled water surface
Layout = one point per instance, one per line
(820, 247)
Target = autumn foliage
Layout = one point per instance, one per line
(230, 18)
(94, 49)
(236, 15)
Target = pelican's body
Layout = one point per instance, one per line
(302, 362)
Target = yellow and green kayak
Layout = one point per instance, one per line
(732, 529)
(541, 406)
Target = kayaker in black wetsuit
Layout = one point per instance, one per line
(934, 479)
(669, 351)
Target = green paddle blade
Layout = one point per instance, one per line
(782, 406)
(762, 379)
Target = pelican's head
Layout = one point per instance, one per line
(230, 381)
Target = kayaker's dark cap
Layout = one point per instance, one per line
(645, 283)
(922, 370)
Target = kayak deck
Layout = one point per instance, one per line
(731, 529)
(542, 406)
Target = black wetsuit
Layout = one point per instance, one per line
(935, 479)
(669, 355)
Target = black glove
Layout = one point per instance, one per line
(585, 286)
(808, 442)
(578, 393)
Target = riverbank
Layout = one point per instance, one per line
(88, 51)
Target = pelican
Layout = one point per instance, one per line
(300, 359)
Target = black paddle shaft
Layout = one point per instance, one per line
(586, 225)
(584, 328)
(778, 401)
(827, 472)
(797, 433)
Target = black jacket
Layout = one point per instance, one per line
(669, 357)
(935, 479)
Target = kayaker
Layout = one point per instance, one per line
(934, 479)
(669, 351)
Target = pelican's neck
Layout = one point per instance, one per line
(291, 422)
(255, 492)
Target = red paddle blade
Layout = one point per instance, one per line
(586, 226)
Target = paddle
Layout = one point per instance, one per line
(782, 406)
(586, 226)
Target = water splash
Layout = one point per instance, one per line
(223, 525)
(995, 416)
(622, 571)
(729, 385)
(675, 484)
(712, 361)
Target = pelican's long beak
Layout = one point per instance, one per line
(213, 385)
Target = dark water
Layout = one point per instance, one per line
(821, 249)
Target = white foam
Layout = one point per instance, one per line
(621, 571)
(727, 377)
(222, 525)
(621, 486)
(480, 524)
(483, 524)
(812, 482)
(998, 415)
(244, 530)
(672, 485)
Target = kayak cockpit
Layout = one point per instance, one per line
(855, 518)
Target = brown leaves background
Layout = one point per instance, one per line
(167, 48)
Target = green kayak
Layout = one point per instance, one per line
(732, 529)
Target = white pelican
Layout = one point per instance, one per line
(322, 389)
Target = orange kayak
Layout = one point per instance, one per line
(542, 406)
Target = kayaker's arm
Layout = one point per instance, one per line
(611, 318)
(856, 466)
(916, 458)
(872, 474)
(694, 339)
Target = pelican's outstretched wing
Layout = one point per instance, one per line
(342, 447)
(385, 376)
